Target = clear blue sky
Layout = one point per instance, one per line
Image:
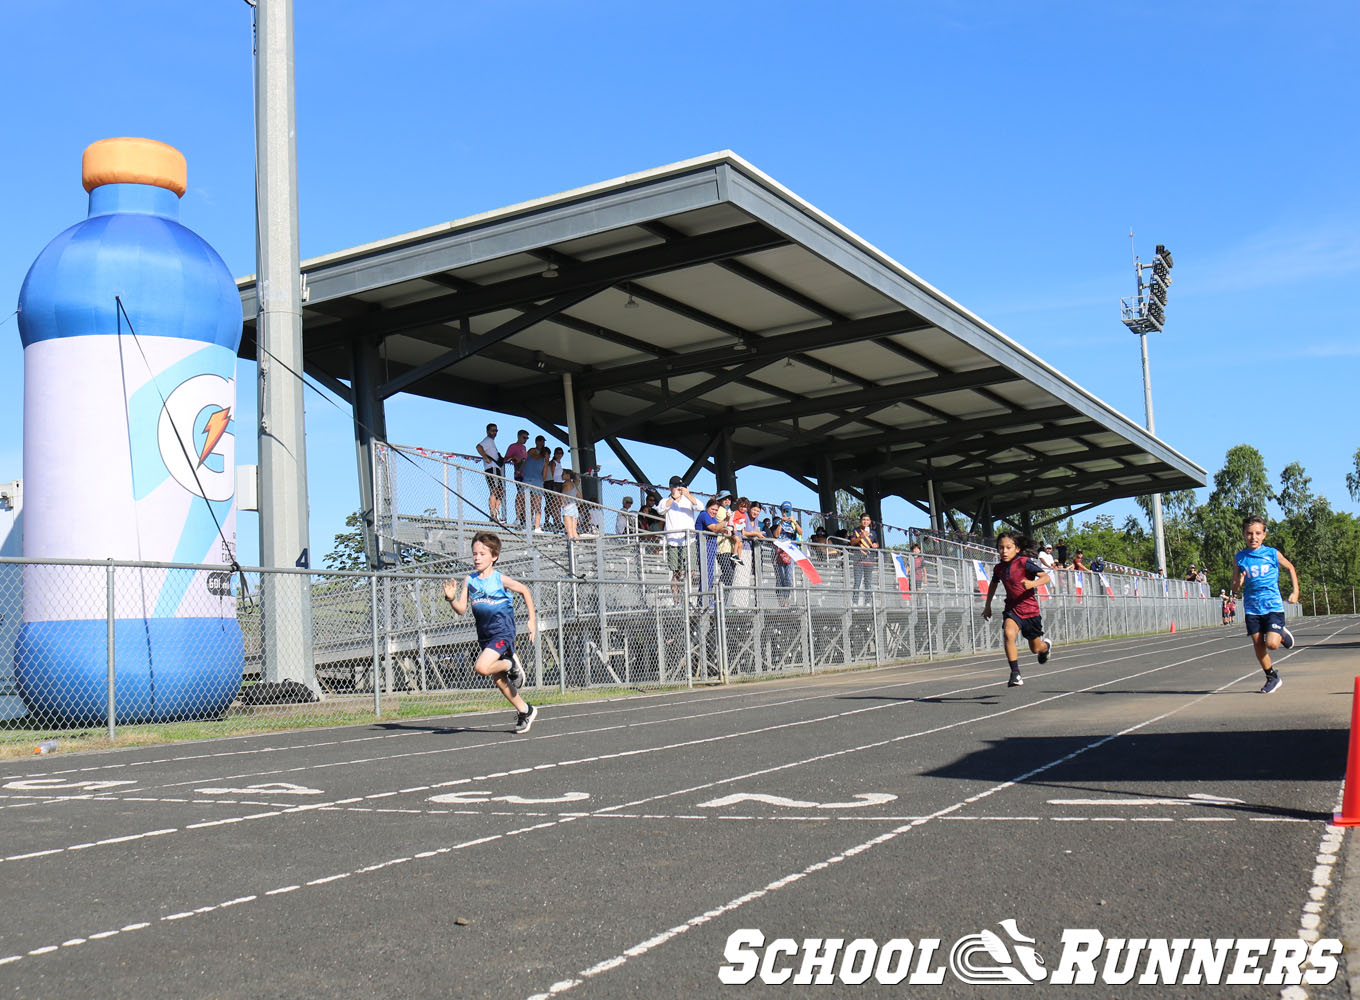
(1001, 152)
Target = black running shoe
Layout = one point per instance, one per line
(1286, 638)
(526, 719)
(1273, 683)
(516, 676)
(1016, 680)
(1048, 648)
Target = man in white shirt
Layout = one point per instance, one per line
(623, 524)
(679, 509)
(1046, 559)
(491, 465)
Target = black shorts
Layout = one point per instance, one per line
(1271, 621)
(495, 483)
(1030, 628)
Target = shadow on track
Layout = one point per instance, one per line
(1218, 759)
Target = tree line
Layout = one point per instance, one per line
(1324, 544)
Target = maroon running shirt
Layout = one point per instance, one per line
(1012, 575)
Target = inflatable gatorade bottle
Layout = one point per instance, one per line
(130, 325)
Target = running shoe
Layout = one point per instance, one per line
(516, 676)
(1287, 638)
(1273, 683)
(524, 720)
(1048, 648)
(1016, 680)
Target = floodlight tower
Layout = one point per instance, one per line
(1143, 312)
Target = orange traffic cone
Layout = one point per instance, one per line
(1350, 798)
(1173, 628)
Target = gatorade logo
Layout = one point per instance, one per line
(202, 457)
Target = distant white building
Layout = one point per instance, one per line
(11, 594)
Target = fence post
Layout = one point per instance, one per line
(561, 638)
(109, 611)
(538, 632)
(878, 631)
(373, 618)
(720, 606)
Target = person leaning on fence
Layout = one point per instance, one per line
(711, 526)
(571, 509)
(865, 540)
(491, 468)
(623, 522)
(650, 521)
(490, 595)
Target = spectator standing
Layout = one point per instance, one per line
(1201, 576)
(918, 567)
(1190, 574)
(650, 521)
(1046, 558)
(1062, 553)
(784, 526)
(552, 484)
(679, 510)
(866, 542)
(709, 526)
(491, 468)
(571, 493)
(515, 456)
(535, 466)
(626, 522)
(1077, 561)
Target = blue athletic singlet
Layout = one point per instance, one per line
(493, 608)
(1261, 580)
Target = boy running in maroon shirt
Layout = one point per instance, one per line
(1021, 575)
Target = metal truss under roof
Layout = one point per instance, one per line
(704, 307)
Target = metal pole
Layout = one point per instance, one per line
(1157, 533)
(373, 617)
(573, 439)
(282, 444)
(109, 611)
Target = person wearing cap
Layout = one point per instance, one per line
(1046, 558)
(712, 530)
(679, 510)
(624, 523)
(784, 526)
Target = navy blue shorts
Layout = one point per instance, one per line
(502, 644)
(1030, 628)
(1271, 621)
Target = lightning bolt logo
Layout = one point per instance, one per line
(217, 426)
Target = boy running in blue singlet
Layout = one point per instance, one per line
(1258, 580)
(1021, 575)
(493, 609)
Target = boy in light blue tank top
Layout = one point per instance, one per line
(1257, 578)
(491, 597)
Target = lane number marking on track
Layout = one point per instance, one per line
(863, 799)
(1193, 799)
(61, 785)
(473, 796)
(270, 788)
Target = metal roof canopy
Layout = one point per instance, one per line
(705, 307)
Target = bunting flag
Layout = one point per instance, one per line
(799, 558)
(1166, 589)
(903, 580)
(1135, 586)
(1077, 581)
(1109, 591)
(982, 577)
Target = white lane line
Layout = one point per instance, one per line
(824, 692)
(610, 811)
(609, 964)
(328, 806)
(612, 707)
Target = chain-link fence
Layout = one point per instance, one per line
(99, 649)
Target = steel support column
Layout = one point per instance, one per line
(826, 496)
(370, 428)
(727, 473)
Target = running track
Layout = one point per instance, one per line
(1140, 786)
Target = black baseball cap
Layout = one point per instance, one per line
(677, 481)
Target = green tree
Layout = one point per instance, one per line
(347, 552)
(1353, 478)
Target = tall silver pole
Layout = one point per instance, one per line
(1157, 534)
(287, 598)
(574, 439)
